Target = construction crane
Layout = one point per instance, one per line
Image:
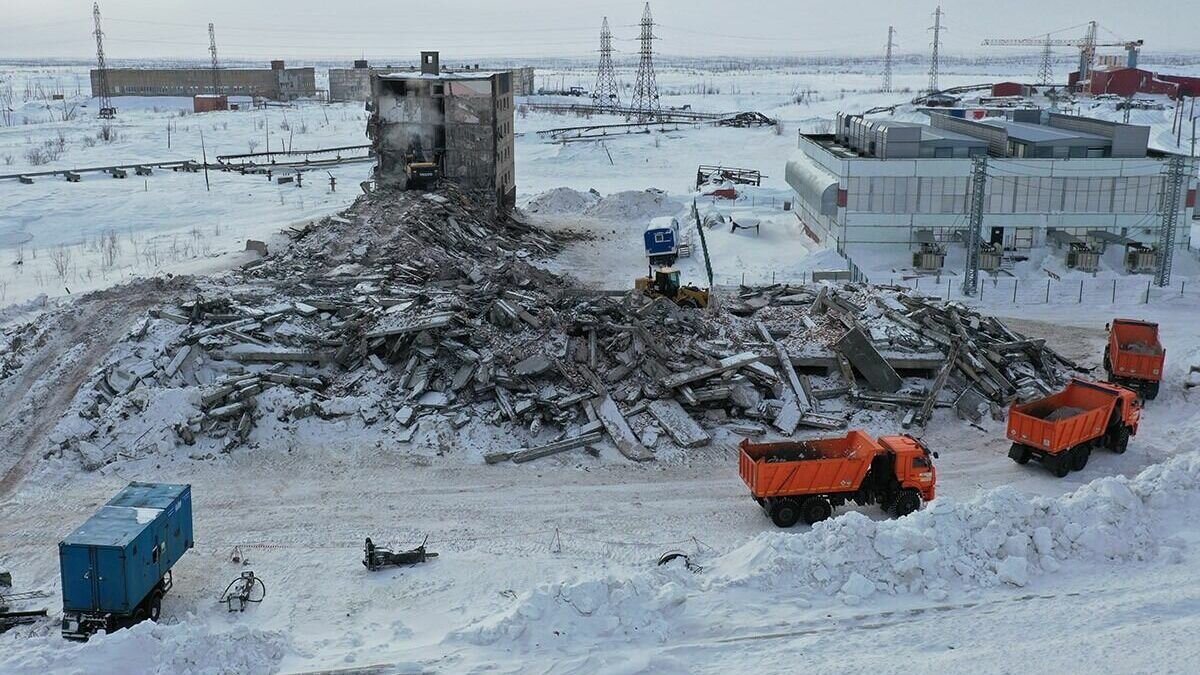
(1087, 49)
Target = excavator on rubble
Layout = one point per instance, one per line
(420, 171)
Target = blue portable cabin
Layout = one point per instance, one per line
(662, 241)
(116, 566)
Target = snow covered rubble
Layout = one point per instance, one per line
(999, 538)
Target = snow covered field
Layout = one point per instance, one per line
(551, 566)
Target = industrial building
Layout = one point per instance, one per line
(354, 84)
(462, 121)
(279, 83)
(1126, 81)
(879, 182)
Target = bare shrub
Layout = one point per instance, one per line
(252, 144)
(36, 156)
(8, 160)
(107, 133)
(89, 142)
(60, 257)
(110, 248)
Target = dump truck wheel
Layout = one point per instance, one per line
(785, 513)
(1151, 392)
(1019, 453)
(1120, 441)
(816, 509)
(909, 501)
(1060, 465)
(1079, 458)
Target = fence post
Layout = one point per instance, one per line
(1015, 282)
(982, 286)
(1181, 285)
(1114, 299)
(743, 278)
(949, 286)
(1081, 291)
(1147, 292)
(1047, 291)
(918, 284)
(772, 277)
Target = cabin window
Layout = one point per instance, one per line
(920, 463)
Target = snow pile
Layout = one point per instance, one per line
(150, 647)
(999, 538)
(638, 606)
(635, 205)
(562, 200)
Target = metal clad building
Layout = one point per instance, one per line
(278, 83)
(860, 187)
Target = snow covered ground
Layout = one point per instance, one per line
(551, 566)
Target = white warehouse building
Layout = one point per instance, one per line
(879, 182)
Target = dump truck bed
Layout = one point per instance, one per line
(1075, 415)
(1134, 350)
(807, 467)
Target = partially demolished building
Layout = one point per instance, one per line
(462, 121)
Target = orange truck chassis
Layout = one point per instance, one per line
(805, 480)
(1061, 430)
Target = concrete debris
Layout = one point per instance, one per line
(416, 314)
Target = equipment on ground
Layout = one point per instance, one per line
(378, 557)
(805, 480)
(420, 171)
(116, 567)
(662, 241)
(246, 588)
(9, 618)
(1134, 357)
(1140, 258)
(1061, 430)
(665, 283)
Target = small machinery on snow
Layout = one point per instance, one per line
(664, 282)
(378, 557)
(247, 588)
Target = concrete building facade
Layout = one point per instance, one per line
(354, 84)
(860, 187)
(463, 121)
(279, 83)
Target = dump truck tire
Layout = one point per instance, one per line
(1151, 392)
(1120, 441)
(1079, 457)
(1019, 453)
(816, 509)
(909, 501)
(785, 513)
(1060, 465)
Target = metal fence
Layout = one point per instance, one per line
(1004, 290)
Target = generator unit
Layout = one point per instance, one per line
(1140, 259)
(929, 258)
(990, 257)
(116, 567)
(1083, 258)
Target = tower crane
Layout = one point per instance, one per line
(1087, 50)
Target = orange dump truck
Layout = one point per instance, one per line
(1134, 357)
(1061, 430)
(805, 480)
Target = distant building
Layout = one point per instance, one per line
(354, 84)
(202, 103)
(278, 83)
(879, 182)
(461, 120)
(1011, 89)
(1125, 81)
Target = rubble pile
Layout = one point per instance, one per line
(418, 314)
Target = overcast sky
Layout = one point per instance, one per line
(345, 29)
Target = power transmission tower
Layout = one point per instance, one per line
(107, 111)
(1046, 71)
(1175, 175)
(216, 68)
(606, 93)
(937, 29)
(887, 60)
(975, 224)
(645, 92)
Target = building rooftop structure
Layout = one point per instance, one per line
(1041, 133)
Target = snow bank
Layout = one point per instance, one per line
(635, 205)
(562, 200)
(148, 647)
(1000, 538)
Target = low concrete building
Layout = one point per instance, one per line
(279, 83)
(354, 84)
(878, 183)
(463, 121)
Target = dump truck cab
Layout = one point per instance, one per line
(912, 464)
